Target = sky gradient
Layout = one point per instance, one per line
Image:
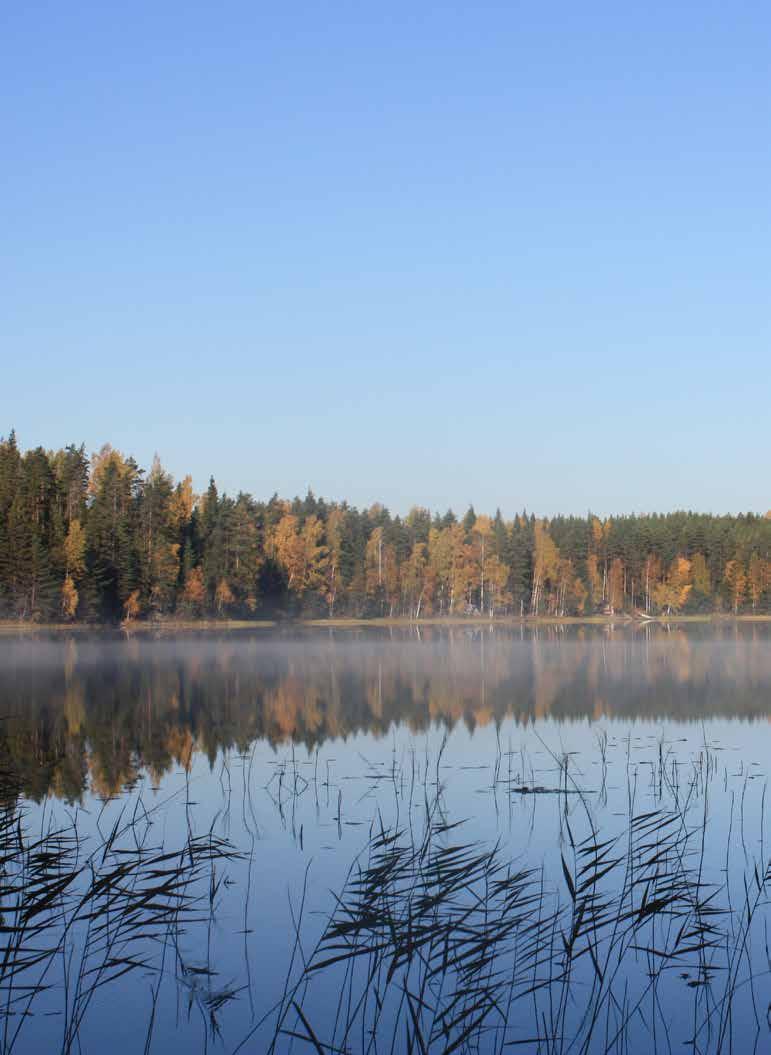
(509, 254)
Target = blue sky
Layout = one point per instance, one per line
(515, 254)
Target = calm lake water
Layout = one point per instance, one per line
(606, 891)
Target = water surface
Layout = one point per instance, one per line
(293, 748)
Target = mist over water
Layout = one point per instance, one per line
(296, 748)
(106, 708)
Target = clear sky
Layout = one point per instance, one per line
(511, 253)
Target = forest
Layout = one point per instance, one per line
(100, 539)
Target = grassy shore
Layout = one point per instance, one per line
(218, 625)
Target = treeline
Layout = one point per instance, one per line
(100, 539)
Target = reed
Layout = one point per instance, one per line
(440, 945)
(436, 942)
(77, 915)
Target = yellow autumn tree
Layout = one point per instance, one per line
(453, 567)
(223, 595)
(681, 578)
(334, 536)
(181, 503)
(481, 546)
(194, 593)
(287, 549)
(570, 594)
(69, 598)
(106, 458)
(672, 594)
(596, 557)
(314, 553)
(75, 550)
(391, 580)
(413, 580)
(496, 578)
(598, 536)
(301, 552)
(546, 559)
(132, 607)
(373, 562)
(462, 568)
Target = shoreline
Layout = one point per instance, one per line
(219, 625)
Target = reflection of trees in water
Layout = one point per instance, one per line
(107, 711)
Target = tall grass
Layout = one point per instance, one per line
(77, 915)
(624, 940)
(439, 945)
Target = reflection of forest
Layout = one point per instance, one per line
(103, 709)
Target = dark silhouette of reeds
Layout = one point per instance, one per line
(78, 915)
(436, 943)
(439, 945)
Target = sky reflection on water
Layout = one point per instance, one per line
(290, 744)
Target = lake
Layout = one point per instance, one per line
(545, 839)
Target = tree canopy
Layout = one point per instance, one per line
(101, 539)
